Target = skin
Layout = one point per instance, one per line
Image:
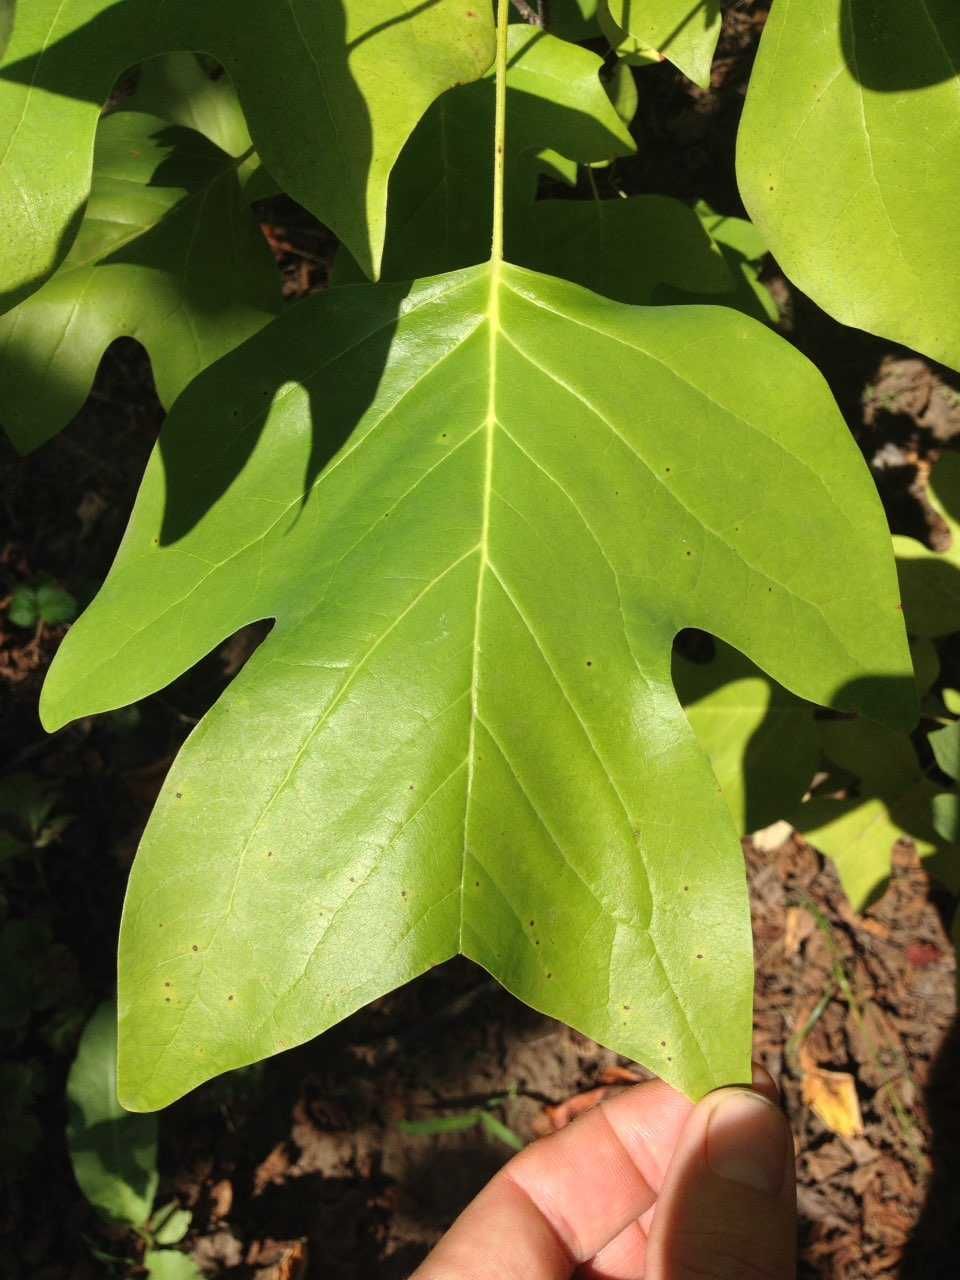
(645, 1186)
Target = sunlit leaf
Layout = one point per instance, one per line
(169, 1264)
(761, 740)
(171, 1224)
(441, 204)
(894, 801)
(849, 161)
(167, 253)
(628, 48)
(356, 76)
(7, 8)
(179, 88)
(427, 755)
(684, 31)
(945, 744)
(930, 580)
(114, 1153)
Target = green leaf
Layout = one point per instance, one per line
(743, 250)
(895, 802)
(169, 1264)
(761, 741)
(167, 253)
(7, 8)
(572, 19)
(173, 1223)
(498, 1130)
(622, 91)
(458, 1123)
(951, 700)
(635, 250)
(930, 580)
(411, 505)
(945, 744)
(627, 48)
(114, 1154)
(684, 31)
(40, 601)
(441, 203)
(356, 76)
(849, 162)
(177, 87)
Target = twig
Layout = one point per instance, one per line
(529, 15)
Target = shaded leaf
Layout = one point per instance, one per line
(167, 253)
(632, 250)
(743, 250)
(895, 801)
(441, 204)
(572, 19)
(426, 755)
(761, 740)
(930, 580)
(179, 88)
(41, 601)
(684, 31)
(114, 1153)
(849, 162)
(357, 75)
(622, 91)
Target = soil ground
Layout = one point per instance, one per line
(302, 1167)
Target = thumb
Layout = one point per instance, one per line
(727, 1209)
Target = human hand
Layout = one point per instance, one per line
(643, 1186)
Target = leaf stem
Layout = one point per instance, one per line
(500, 129)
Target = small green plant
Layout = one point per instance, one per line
(42, 601)
(462, 1121)
(114, 1156)
(479, 498)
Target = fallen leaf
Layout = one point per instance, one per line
(799, 926)
(832, 1097)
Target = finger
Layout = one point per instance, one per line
(560, 1201)
(727, 1209)
(624, 1258)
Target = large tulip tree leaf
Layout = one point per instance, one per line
(685, 32)
(761, 740)
(849, 161)
(930, 580)
(357, 75)
(894, 800)
(443, 180)
(479, 511)
(167, 253)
